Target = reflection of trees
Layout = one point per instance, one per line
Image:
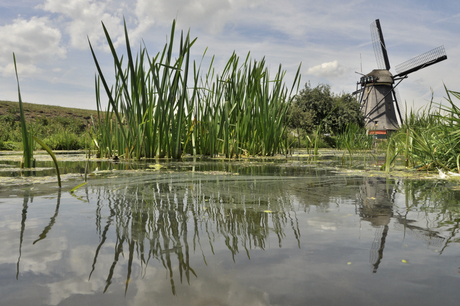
(166, 220)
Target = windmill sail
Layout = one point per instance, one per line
(380, 49)
(377, 95)
(423, 60)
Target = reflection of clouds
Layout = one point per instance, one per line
(78, 263)
(215, 286)
(255, 245)
(322, 225)
(35, 258)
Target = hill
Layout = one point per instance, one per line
(34, 111)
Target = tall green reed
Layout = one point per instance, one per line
(28, 160)
(354, 138)
(150, 100)
(53, 157)
(162, 106)
(429, 138)
(28, 139)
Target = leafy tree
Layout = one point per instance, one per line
(317, 105)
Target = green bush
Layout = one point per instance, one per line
(65, 140)
(319, 106)
(59, 133)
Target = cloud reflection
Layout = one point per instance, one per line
(200, 239)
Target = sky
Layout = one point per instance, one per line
(330, 39)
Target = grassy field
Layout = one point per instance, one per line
(34, 111)
(61, 128)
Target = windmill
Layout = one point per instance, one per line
(376, 90)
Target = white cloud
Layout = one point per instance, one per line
(286, 32)
(32, 41)
(329, 69)
(84, 19)
(24, 70)
(209, 15)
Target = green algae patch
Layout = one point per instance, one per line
(32, 180)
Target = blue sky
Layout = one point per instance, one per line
(330, 38)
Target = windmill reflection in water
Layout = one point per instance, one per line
(376, 205)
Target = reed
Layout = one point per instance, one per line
(28, 139)
(53, 157)
(28, 160)
(162, 106)
(354, 138)
(429, 139)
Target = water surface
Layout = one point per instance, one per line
(219, 233)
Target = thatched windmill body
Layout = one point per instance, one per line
(376, 90)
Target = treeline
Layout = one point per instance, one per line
(318, 114)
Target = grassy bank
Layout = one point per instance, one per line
(61, 128)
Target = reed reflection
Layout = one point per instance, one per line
(52, 220)
(167, 220)
(437, 204)
(25, 206)
(29, 196)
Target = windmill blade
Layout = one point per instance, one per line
(423, 60)
(380, 49)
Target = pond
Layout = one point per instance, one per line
(253, 232)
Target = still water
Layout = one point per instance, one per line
(217, 233)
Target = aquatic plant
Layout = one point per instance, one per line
(429, 139)
(162, 106)
(28, 160)
(354, 137)
(27, 139)
(47, 149)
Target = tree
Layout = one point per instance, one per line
(318, 105)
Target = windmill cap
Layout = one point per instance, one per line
(381, 76)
